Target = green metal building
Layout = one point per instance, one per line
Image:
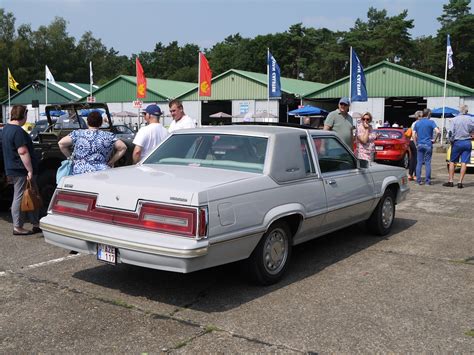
(395, 92)
(239, 92)
(33, 95)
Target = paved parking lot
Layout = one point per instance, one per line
(349, 292)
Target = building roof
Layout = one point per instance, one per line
(386, 79)
(124, 89)
(237, 84)
(58, 92)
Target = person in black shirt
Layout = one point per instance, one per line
(20, 165)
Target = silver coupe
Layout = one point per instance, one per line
(215, 195)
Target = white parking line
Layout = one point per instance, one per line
(44, 263)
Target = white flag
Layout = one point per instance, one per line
(49, 76)
(449, 53)
(91, 74)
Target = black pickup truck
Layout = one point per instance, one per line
(47, 149)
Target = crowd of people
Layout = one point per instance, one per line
(422, 134)
(91, 149)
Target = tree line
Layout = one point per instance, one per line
(315, 54)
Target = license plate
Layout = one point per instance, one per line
(378, 147)
(107, 253)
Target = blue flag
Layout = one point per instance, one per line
(449, 52)
(274, 86)
(358, 88)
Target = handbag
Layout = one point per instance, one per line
(31, 200)
(64, 170)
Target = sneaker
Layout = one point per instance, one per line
(449, 184)
(460, 186)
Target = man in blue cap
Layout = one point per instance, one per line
(151, 135)
(341, 122)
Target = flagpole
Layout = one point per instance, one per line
(46, 82)
(350, 75)
(9, 109)
(268, 82)
(199, 89)
(90, 77)
(444, 96)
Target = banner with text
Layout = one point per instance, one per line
(358, 88)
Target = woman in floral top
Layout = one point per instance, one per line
(365, 137)
(93, 148)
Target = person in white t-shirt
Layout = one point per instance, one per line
(148, 137)
(180, 119)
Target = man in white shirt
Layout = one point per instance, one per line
(148, 137)
(180, 119)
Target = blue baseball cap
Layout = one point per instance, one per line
(154, 110)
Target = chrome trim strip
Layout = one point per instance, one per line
(145, 248)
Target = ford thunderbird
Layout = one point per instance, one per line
(215, 195)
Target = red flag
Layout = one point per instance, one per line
(141, 80)
(205, 76)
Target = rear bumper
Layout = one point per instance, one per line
(143, 248)
(389, 155)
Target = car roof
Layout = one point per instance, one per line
(249, 129)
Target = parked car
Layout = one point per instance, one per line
(219, 194)
(392, 146)
(123, 132)
(40, 126)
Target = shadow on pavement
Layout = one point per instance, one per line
(225, 287)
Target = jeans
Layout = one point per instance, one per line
(423, 155)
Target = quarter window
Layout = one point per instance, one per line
(305, 151)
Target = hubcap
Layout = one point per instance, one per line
(275, 251)
(387, 212)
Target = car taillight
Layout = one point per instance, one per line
(183, 221)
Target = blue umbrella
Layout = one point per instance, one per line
(308, 111)
(448, 112)
(54, 113)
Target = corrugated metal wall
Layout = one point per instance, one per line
(232, 87)
(124, 91)
(391, 81)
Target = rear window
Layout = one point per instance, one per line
(231, 152)
(388, 134)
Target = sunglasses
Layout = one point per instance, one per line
(366, 119)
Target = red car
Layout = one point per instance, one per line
(392, 145)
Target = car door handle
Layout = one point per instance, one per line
(292, 170)
(331, 182)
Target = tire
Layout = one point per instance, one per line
(270, 259)
(405, 161)
(381, 220)
(46, 184)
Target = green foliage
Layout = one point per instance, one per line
(315, 54)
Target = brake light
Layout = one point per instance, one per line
(182, 221)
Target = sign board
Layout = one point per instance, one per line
(91, 99)
(137, 104)
(243, 107)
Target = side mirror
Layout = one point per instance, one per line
(363, 164)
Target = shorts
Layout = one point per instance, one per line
(461, 149)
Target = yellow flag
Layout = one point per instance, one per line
(11, 82)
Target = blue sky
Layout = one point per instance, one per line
(134, 26)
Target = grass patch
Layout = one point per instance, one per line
(116, 303)
(210, 329)
(470, 333)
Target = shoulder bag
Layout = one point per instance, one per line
(31, 200)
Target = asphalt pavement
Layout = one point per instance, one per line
(411, 291)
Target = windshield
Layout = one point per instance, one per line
(232, 152)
